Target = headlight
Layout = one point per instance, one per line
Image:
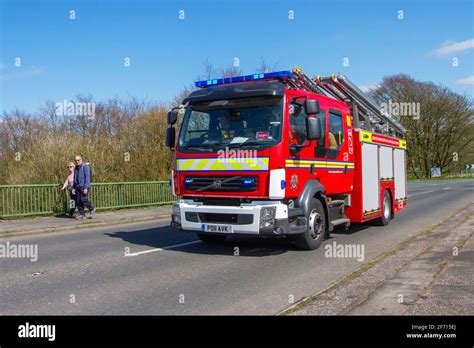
(247, 182)
(267, 217)
(176, 213)
(267, 213)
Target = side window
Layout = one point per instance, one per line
(198, 125)
(322, 118)
(297, 124)
(336, 130)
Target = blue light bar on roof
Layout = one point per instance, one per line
(253, 77)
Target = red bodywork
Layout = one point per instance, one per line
(336, 179)
(355, 211)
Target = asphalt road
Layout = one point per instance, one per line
(166, 272)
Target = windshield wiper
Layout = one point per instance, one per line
(251, 143)
(202, 147)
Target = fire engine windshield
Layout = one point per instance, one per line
(249, 122)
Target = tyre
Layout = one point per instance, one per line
(211, 238)
(387, 213)
(314, 235)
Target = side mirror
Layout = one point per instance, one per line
(313, 128)
(172, 117)
(170, 137)
(311, 107)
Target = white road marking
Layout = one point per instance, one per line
(446, 188)
(165, 248)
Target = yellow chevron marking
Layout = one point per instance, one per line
(218, 164)
(201, 164)
(184, 164)
(236, 165)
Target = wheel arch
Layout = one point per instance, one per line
(313, 189)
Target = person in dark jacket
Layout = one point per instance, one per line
(82, 186)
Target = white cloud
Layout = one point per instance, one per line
(19, 73)
(453, 47)
(367, 88)
(468, 81)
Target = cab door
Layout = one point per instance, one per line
(303, 163)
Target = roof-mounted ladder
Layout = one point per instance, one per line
(340, 87)
(301, 81)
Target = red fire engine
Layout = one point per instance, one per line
(283, 155)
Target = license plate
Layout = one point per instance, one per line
(217, 228)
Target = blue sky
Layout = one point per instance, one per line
(61, 58)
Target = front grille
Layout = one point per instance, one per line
(236, 219)
(216, 183)
(233, 202)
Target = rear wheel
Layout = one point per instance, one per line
(211, 238)
(384, 220)
(313, 237)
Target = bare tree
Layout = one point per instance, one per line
(265, 67)
(230, 71)
(208, 70)
(444, 128)
(124, 141)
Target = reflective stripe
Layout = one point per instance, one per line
(252, 164)
(366, 136)
(200, 165)
(184, 165)
(291, 163)
(223, 164)
(369, 137)
(348, 121)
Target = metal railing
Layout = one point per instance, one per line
(31, 200)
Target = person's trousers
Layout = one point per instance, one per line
(82, 201)
(71, 207)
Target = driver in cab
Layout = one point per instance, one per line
(297, 135)
(224, 126)
(232, 125)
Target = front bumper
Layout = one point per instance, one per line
(244, 219)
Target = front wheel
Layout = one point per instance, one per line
(211, 238)
(314, 235)
(384, 220)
